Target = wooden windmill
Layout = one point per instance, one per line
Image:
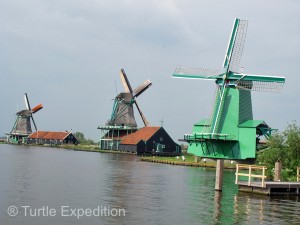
(123, 113)
(230, 132)
(122, 120)
(22, 125)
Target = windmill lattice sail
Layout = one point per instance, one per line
(192, 72)
(238, 46)
(262, 86)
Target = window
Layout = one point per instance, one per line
(161, 138)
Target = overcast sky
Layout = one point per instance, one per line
(67, 55)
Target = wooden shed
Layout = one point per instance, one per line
(52, 138)
(150, 140)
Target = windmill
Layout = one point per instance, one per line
(122, 121)
(22, 125)
(230, 132)
(123, 114)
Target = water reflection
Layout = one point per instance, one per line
(253, 208)
(218, 206)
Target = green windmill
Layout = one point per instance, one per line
(230, 132)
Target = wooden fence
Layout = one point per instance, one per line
(250, 168)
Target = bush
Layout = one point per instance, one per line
(285, 147)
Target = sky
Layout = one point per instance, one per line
(67, 55)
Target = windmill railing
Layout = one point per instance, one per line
(115, 127)
(208, 136)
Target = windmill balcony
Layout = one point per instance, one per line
(201, 137)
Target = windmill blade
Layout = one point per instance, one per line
(259, 86)
(257, 82)
(125, 81)
(235, 46)
(196, 73)
(143, 87)
(33, 123)
(27, 101)
(142, 115)
(37, 108)
(252, 77)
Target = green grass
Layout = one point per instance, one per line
(188, 158)
(189, 161)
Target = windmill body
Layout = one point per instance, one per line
(123, 113)
(122, 120)
(230, 132)
(22, 126)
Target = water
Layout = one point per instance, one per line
(148, 193)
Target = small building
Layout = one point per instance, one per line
(3, 140)
(150, 140)
(52, 138)
(111, 136)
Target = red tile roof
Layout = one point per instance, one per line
(144, 134)
(49, 135)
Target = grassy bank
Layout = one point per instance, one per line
(186, 160)
(90, 148)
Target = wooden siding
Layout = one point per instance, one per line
(159, 142)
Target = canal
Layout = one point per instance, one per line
(40, 185)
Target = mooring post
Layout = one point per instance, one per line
(277, 173)
(219, 175)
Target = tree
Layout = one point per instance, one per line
(285, 147)
(82, 140)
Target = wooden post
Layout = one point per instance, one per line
(277, 174)
(249, 177)
(263, 177)
(219, 175)
(237, 174)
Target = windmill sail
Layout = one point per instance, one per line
(37, 108)
(196, 73)
(125, 81)
(27, 102)
(143, 87)
(145, 121)
(236, 46)
(262, 86)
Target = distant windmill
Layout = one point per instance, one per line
(123, 114)
(230, 132)
(122, 121)
(22, 125)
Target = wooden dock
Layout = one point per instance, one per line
(256, 182)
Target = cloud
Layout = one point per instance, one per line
(67, 55)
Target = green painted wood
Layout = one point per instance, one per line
(230, 132)
(231, 43)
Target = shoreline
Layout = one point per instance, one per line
(178, 162)
(189, 159)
